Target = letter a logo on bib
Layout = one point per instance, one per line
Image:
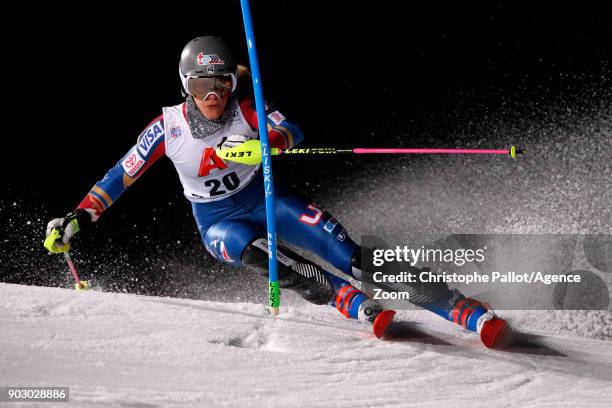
(210, 161)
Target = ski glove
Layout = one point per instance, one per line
(233, 141)
(61, 230)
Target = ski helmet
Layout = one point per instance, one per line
(207, 56)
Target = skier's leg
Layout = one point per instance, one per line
(471, 314)
(236, 237)
(304, 225)
(436, 297)
(294, 272)
(307, 226)
(331, 289)
(317, 285)
(457, 308)
(238, 242)
(452, 305)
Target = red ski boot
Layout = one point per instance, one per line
(353, 303)
(372, 312)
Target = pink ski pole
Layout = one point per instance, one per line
(512, 151)
(249, 152)
(79, 285)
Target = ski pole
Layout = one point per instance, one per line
(249, 152)
(79, 285)
(50, 244)
(263, 151)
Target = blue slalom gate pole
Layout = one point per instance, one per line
(274, 291)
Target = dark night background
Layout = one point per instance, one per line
(84, 82)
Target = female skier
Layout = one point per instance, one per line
(228, 197)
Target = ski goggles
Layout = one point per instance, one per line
(203, 86)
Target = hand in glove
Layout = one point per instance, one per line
(233, 141)
(61, 230)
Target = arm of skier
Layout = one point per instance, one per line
(147, 150)
(282, 133)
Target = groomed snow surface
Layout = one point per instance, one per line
(120, 350)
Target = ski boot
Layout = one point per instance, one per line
(473, 315)
(353, 303)
(478, 317)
